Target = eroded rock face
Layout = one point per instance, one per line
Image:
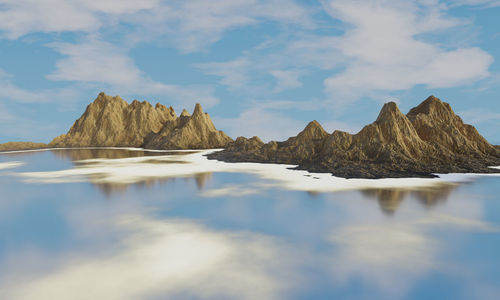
(112, 122)
(429, 139)
(436, 123)
(188, 132)
(301, 147)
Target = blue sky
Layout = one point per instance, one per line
(258, 67)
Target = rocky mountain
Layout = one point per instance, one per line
(112, 122)
(431, 138)
(188, 132)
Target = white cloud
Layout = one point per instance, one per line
(193, 25)
(20, 17)
(266, 124)
(233, 72)
(186, 25)
(383, 49)
(109, 68)
(11, 92)
(286, 79)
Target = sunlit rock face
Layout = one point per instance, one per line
(429, 139)
(188, 132)
(112, 122)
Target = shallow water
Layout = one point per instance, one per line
(130, 224)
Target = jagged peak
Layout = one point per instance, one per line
(198, 110)
(430, 105)
(185, 113)
(103, 98)
(314, 126)
(388, 111)
(256, 139)
(137, 103)
(313, 130)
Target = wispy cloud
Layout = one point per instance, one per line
(286, 79)
(21, 17)
(383, 52)
(108, 67)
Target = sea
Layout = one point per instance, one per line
(126, 223)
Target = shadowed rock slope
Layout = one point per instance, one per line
(429, 139)
(112, 122)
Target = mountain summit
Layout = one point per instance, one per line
(188, 132)
(112, 122)
(429, 139)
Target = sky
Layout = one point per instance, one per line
(258, 67)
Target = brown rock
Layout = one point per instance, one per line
(430, 139)
(10, 146)
(436, 123)
(111, 122)
(188, 132)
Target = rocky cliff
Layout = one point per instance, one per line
(431, 138)
(112, 122)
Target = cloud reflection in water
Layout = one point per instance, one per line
(189, 164)
(167, 259)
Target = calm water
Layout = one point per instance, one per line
(120, 224)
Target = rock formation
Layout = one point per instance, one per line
(188, 132)
(429, 139)
(10, 146)
(112, 122)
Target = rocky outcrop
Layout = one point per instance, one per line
(188, 132)
(301, 147)
(10, 146)
(112, 122)
(429, 139)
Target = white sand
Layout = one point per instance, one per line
(137, 169)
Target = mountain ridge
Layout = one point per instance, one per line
(430, 139)
(112, 122)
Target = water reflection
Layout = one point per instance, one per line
(162, 259)
(107, 153)
(273, 243)
(111, 188)
(390, 199)
(137, 169)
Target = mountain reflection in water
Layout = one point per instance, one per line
(120, 223)
(390, 199)
(78, 154)
(109, 188)
(85, 157)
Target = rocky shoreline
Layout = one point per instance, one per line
(430, 139)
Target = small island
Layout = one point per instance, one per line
(429, 139)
